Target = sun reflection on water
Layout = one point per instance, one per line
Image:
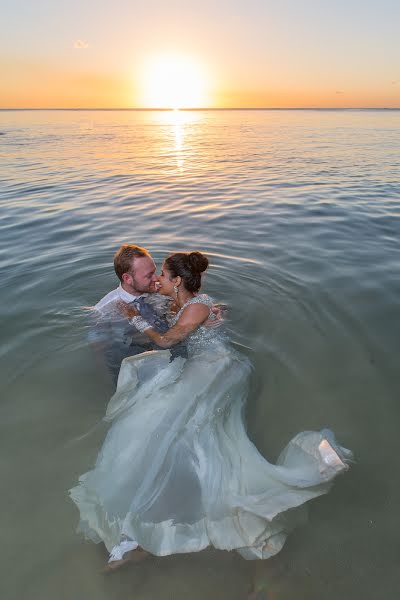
(176, 125)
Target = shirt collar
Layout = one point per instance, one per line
(126, 296)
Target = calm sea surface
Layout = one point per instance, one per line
(299, 213)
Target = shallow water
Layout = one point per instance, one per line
(299, 213)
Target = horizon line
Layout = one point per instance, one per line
(204, 109)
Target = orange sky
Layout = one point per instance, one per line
(260, 53)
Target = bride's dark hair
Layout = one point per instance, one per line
(189, 266)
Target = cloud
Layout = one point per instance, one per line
(339, 92)
(80, 44)
(396, 82)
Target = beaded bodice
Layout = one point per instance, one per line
(203, 336)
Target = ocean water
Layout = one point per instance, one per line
(299, 213)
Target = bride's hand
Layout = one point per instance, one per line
(127, 310)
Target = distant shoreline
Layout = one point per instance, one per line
(203, 109)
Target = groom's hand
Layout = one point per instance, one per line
(216, 319)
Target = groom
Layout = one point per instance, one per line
(111, 335)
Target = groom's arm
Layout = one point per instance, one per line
(98, 337)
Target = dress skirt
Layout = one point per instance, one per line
(177, 472)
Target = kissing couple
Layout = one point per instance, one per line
(177, 472)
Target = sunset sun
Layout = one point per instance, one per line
(173, 82)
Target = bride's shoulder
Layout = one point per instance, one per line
(202, 299)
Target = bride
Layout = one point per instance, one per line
(177, 472)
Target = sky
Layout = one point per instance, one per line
(199, 53)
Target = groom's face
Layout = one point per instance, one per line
(142, 275)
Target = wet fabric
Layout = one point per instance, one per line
(177, 471)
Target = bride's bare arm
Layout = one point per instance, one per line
(192, 317)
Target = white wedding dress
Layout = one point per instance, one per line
(177, 472)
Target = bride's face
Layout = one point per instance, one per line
(166, 282)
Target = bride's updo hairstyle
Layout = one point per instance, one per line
(189, 266)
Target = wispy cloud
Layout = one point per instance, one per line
(339, 92)
(80, 44)
(396, 82)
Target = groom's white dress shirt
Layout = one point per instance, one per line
(108, 324)
(112, 332)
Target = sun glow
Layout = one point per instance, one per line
(174, 82)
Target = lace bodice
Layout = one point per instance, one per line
(203, 337)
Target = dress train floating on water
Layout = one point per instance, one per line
(177, 472)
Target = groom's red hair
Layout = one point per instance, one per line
(124, 257)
